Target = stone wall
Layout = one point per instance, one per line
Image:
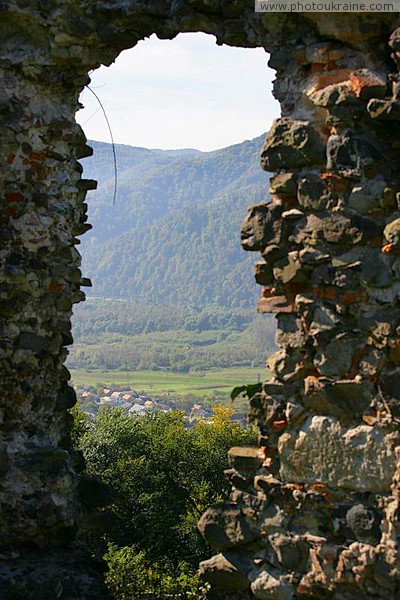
(313, 511)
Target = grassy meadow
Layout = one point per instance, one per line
(180, 384)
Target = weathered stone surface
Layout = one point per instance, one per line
(261, 227)
(293, 144)
(284, 184)
(291, 551)
(274, 304)
(226, 526)
(367, 84)
(334, 228)
(368, 197)
(50, 574)
(347, 152)
(385, 110)
(324, 320)
(289, 331)
(392, 232)
(312, 192)
(289, 269)
(375, 270)
(347, 399)
(338, 137)
(289, 365)
(336, 358)
(267, 584)
(357, 458)
(227, 571)
(363, 523)
(66, 397)
(245, 458)
(263, 273)
(333, 95)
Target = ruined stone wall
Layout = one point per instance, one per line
(313, 511)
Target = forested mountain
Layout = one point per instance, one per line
(172, 235)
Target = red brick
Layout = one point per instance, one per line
(274, 304)
(14, 197)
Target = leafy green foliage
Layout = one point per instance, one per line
(130, 576)
(161, 477)
(79, 426)
(123, 335)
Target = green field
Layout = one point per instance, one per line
(161, 382)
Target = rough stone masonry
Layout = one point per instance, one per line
(313, 512)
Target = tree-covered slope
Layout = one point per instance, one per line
(173, 234)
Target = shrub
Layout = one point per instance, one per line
(131, 577)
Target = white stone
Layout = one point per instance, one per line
(360, 458)
(268, 586)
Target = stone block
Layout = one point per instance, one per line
(324, 320)
(293, 214)
(263, 273)
(31, 341)
(241, 481)
(335, 94)
(267, 584)
(367, 84)
(392, 232)
(358, 458)
(389, 383)
(275, 304)
(291, 551)
(312, 192)
(226, 573)
(290, 331)
(324, 52)
(346, 399)
(290, 269)
(376, 269)
(335, 359)
(313, 256)
(66, 397)
(225, 526)
(384, 110)
(362, 524)
(292, 144)
(261, 227)
(245, 458)
(367, 196)
(290, 364)
(335, 228)
(347, 152)
(284, 185)
(272, 253)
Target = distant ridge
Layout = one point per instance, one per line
(173, 234)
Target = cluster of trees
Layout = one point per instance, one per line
(159, 478)
(97, 316)
(117, 335)
(173, 234)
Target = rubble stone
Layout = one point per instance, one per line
(226, 573)
(226, 526)
(320, 518)
(359, 458)
(268, 585)
(293, 144)
(261, 227)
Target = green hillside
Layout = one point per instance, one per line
(172, 288)
(173, 234)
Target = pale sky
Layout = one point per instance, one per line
(181, 93)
